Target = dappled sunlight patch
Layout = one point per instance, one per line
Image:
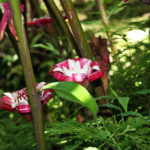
(136, 35)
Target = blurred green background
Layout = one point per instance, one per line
(129, 24)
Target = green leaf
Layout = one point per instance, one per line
(48, 47)
(113, 92)
(74, 92)
(130, 113)
(124, 102)
(35, 40)
(143, 92)
(103, 97)
(115, 9)
(111, 106)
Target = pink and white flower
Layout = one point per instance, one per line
(7, 19)
(77, 70)
(19, 100)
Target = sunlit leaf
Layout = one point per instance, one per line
(74, 92)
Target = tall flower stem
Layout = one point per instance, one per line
(100, 5)
(77, 29)
(34, 97)
(60, 22)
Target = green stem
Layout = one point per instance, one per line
(52, 8)
(100, 5)
(34, 97)
(37, 8)
(77, 29)
(58, 27)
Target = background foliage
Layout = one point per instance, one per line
(129, 84)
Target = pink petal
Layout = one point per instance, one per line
(83, 61)
(6, 6)
(46, 96)
(63, 64)
(7, 19)
(40, 85)
(95, 75)
(21, 7)
(59, 76)
(5, 103)
(67, 78)
(94, 63)
(23, 109)
(51, 90)
(78, 77)
(12, 29)
(4, 22)
(22, 94)
(40, 22)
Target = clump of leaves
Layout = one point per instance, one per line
(102, 134)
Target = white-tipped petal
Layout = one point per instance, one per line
(40, 85)
(96, 67)
(71, 64)
(12, 96)
(14, 104)
(58, 69)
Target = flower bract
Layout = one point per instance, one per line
(7, 19)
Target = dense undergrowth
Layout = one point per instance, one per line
(128, 126)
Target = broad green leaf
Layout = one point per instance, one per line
(124, 102)
(143, 92)
(130, 113)
(111, 106)
(74, 92)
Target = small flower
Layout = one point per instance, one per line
(125, 1)
(44, 22)
(77, 70)
(7, 19)
(19, 100)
